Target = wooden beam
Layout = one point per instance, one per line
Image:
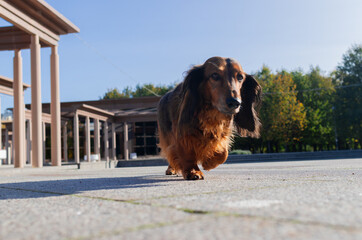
(6, 90)
(45, 117)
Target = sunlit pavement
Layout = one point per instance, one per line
(278, 200)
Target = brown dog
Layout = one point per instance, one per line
(196, 119)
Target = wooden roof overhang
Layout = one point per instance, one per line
(143, 109)
(32, 17)
(94, 112)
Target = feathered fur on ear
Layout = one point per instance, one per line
(247, 121)
(190, 98)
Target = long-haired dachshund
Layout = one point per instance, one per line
(197, 118)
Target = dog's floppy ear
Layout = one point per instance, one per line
(190, 98)
(247, 121)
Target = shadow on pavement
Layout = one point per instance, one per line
(38, 189)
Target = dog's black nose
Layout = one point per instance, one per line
(233, 103)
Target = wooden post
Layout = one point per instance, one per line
(19, 114)
(28, 139)
(97, 139)
(87, 138)
(44, 140)
(76, 137)
(125, 140)
(55, 109)
(36, 107)
(106, 143)
(114, 142)
(7, 146)
(65, 142)
(1, 134)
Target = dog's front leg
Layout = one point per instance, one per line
(187, 160)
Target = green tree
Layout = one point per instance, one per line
(114, 93)
(348, 103)
(151, 90)
(282, 115)
(139, 91)
(316, 92)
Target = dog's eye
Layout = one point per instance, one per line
(215, 76)
(239, 77)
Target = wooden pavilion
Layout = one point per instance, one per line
(35, 25)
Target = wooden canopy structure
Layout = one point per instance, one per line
(35, 24)
(114, 117)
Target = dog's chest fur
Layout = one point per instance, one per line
(216, 131)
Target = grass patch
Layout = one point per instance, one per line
(239, 152)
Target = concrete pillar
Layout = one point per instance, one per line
(44, 139)
(106, 143)
(19, 114)
(36, 107)
(87, 138)
(76, 137)
(125, 140)
(97, 138)
(114, 142)
(55, 109)
(28, 141)
(65, 142)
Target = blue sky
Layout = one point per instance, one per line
(142, 41)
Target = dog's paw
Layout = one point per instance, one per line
(171, 171)
(193, 175)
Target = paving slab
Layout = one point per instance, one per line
(270, 200)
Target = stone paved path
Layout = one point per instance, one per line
(285, 200)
